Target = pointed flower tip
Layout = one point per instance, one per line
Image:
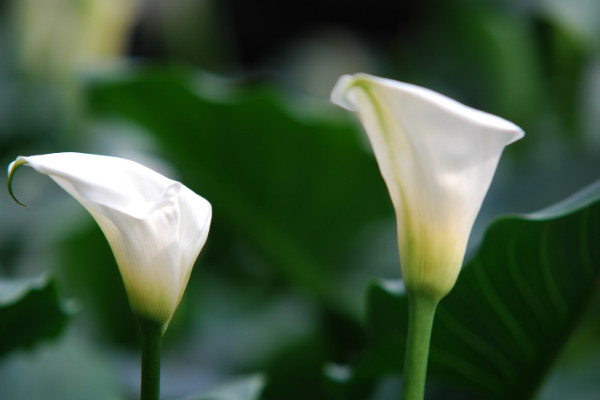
(12, 167)
(517, 132)
(341, 94)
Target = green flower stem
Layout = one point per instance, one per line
(421, 310)
(152, 333)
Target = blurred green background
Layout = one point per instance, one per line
(231, 98)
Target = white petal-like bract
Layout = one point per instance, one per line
(437, 157)
(155, 226)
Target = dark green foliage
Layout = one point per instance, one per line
(514, 307)
(31, 310)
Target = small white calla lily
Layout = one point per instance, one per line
(437, 157)
(155, 226)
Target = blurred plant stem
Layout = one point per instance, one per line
(421, 310)
(152, 333)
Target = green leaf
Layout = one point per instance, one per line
(513, 309)
(31, 310)
(245, 388)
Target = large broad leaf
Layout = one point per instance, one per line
(515, 305)
(30, 310)
(296, 189)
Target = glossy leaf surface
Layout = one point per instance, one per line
(515, 305)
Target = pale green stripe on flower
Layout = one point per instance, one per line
(437, 158)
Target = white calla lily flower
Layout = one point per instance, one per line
(437, 157)
(155, 226)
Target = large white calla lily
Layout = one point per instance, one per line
(155, 226)
(437, 157)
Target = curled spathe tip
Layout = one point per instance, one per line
(13, 166)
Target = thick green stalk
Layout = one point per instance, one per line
(421, 310)
(152, 333)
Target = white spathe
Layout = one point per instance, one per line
(155, 226)
(437, 157)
